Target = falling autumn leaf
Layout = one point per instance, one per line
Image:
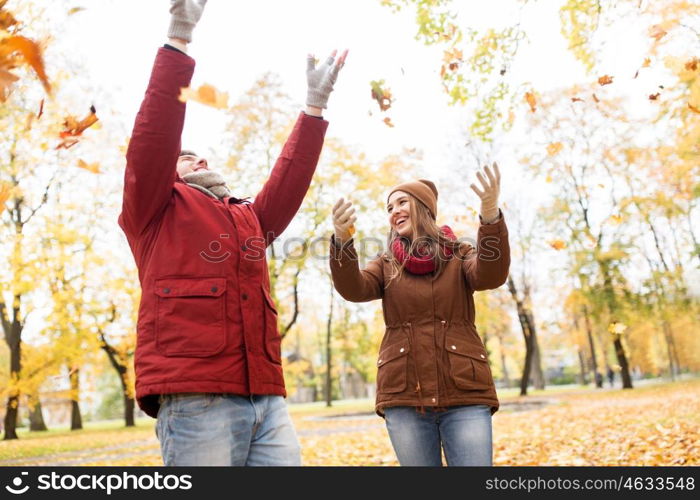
(73, 129)
(646, 63)
(595, 98)
(41, 109)
(605, 80)
(206, 94)
(657, 32)
(616, 219)
(530, 99)
(693, 108)
(548, 179)
(30, 53)
(388, 123)
(75, 10)
(557, 244)
(351, 229)
(554, 148)
(6, 79)
(7, 20)
(90, 167)
(653, 97)
(692, 65)
(577, 99)
(4, 195)
(381, 94)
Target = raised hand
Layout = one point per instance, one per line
(343, 221)
(491, 185)
(185, 14)
(320, 79)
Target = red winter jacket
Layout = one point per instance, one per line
(206, 321)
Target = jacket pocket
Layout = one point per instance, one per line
(469, 367)
(190, 316)
(392, 368)
(273, 341)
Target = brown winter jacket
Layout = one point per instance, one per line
(431, 354)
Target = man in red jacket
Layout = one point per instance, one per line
(208, 362)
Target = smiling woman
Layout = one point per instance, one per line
(434, 382)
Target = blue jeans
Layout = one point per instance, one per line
(225, 429)
(464, 432)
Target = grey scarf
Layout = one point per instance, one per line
(208, 182)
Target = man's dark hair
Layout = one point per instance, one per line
(187, 152)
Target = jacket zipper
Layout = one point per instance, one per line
(415, 365)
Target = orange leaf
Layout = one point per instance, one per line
(351, 229)
(30, 52)
(557, 244)
(6, 19)
(72, 128)
(595, 98)
(646, 62)
(657, 32)
(4, 195)
(653, 97)
(531, 100)
(381, 94)
(388, 123)
(6, 80)
(554, 148)
(206, 94)
(577, 99)
(605, 80)
(90, 167)
(692, 65)
(693, 108)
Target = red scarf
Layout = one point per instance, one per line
(421, 263)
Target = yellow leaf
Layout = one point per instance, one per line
(557, 244)
(530, 98)
(4, 195)
(616, 219)
(548, 178)
(90, 167)
(554, 148)
(646, 62)
(206, 94)
(75, 10)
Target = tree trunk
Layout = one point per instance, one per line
(36, 416)
(13, 338)
(622, 360)
(582, 368)
(76, 420)
(617, 341)
(506, 378)
(527, 334)
(537, 376)
(329, 330)
(129, 406)
(598, 379)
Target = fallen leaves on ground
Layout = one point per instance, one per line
(646, 426)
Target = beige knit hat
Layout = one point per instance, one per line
(423, 190)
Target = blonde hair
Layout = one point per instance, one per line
(426, 237)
